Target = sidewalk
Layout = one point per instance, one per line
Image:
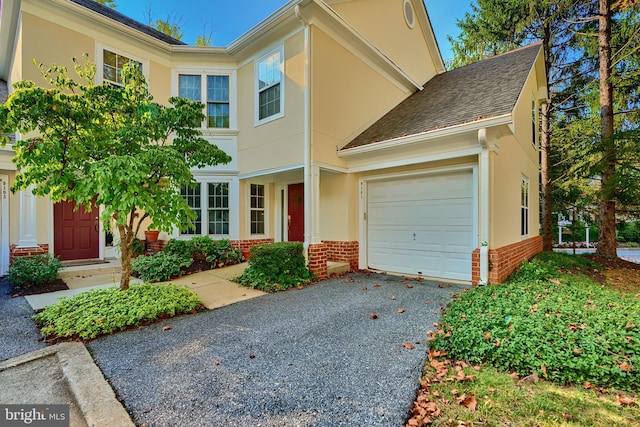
(214, 287)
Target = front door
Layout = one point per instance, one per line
(296, 212)
(75, 232)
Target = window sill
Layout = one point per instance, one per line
(269, 119)
(219, 132)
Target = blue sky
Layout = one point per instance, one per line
(230, 18)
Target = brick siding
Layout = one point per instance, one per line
(15, 251)
(503, 261)
(318, 259)
(343, 251)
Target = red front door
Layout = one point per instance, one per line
(296, 212)
(75, 232)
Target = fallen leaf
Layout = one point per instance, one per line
(377, 285)
(486, 335)
(588, 385)
(252, 356)
(166, 328)
(532, 379)
(373, 316)
(427, 302)
(470, 402)
(577, 351)
(454, 391)
(409, 286)
(408, 345)
(625, 367)
(555, 281)
(401, 310)
(566, 416)
(364, 288)
(216, 363)
(543, 369)
(393, 297)
(625, 400)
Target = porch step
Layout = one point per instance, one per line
(334, 267)
(91, 274)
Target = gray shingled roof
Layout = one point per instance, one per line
(485, 89)
(123, 19)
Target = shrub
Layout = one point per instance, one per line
(104, 311)
(223, 253)
(564, 326)
(31, 271)
(159, 267)
(276, 267)
(177, 247)
(217, 252)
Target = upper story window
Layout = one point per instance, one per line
(270, 99)
(112, 64)
(524, 207)
(216, 93)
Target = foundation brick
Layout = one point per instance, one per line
(503, 261)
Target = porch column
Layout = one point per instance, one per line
(27, 237)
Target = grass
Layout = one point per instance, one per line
(105, 311)
(553, 347)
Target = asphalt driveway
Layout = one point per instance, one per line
(310, 357)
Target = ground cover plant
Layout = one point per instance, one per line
(105, 311)
(276, 267)
(558, 336)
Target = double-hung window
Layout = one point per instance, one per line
(269, 86)
(257, 208)
(112, 65)
(524, 207)
(214, 89)
(210, 202)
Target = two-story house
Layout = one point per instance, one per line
(345, 129)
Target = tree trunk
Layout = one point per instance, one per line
(126, 241)
(545, 178)
(607, 220)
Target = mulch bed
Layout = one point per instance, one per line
(56, 285)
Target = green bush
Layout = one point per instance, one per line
(217, 252)
(104, 311)
(628, 232)
(564, 326)
(177, 247)
(159, 267)
(276, 267)
(26, 272)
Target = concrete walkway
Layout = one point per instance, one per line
(214, 287)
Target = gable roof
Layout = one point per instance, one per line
(125, 20)
(481, 90)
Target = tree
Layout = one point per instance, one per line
(110, 3)
(496, 26)
(172, 26)
(109, 145)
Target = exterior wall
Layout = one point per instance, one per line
(278, 143)
(505, 260)
(347, 96)
(404, 45)
(517, 157)
(317, 256)
(343, 252)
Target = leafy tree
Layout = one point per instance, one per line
(110, 3)
(496, 26)
(172, 26)
(108, 144)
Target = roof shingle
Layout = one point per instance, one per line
(123, 19)
(481, 90)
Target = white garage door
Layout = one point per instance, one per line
(422, 225)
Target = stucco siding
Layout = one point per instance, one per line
(348, 95)
(280, 142)
(404, 45)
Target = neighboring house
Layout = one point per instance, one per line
(346, 133)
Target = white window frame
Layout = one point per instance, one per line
(258, 121)
(535, 122)
(232, 199)
(204, 73)
(99, 59)
(525, 197)
(264, 209)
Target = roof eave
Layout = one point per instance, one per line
(505, 119)
(9, 13)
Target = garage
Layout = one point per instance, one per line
(422, 225)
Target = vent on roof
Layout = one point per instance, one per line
(409, 13)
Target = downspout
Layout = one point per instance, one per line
(310, 207)
(483, 201)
